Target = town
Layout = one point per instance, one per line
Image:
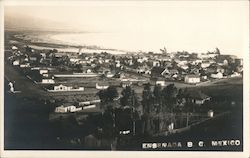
(119, 98)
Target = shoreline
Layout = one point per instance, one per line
(44, 41)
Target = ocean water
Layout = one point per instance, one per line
(124, 42)
(128, 42)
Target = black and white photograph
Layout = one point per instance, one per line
(126, 76)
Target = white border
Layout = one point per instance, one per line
(146, 154)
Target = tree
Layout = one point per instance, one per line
(180, 96)
(158, 97)
(108, 95)
(147, 98)
(217, 51)
(129, 98)
(169, 94)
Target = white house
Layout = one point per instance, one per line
(218, 75)
(48, 80)
(16, 62)
(67, 108)
(205, 64)
(184, 67)
(156, 63)
(45, 75)
(61, 88)
(235, 74)
(198, 97)
(24, 65)
(110, 75)
(126, 84)
(165, 71)
(101, 87)
(14, 48)
(192, 79)
(89, 106)
(148, 72)
(43, 71)
(160, 82)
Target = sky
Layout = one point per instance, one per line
(179, 25)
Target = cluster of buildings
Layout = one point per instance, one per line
(190, 68)
(44, 66)
(183, 66)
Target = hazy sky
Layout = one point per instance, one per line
(186, 25)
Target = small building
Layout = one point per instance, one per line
(220, 69)
(14, 48)
(89, 106)
(67, 108)
(126, 84)
(173, 71)
(33, 58)
(110, 75)
(197, 97)
(156, 63)
(210, 113)
(63, 88)
(205, 64)
(235, 74)
(192, 79)
(148, 72)
(48, 80)
(101, 87)
(160, 82)
(43, 71)
(165, 71)
(45, 75)
(218, 75)
(16, 62)
(184, 67)
(23, 65)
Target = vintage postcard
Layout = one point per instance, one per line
(138, 78)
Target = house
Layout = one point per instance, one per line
(14, 48)
(43, 71)
(118, 63)
(235, 74)
(63, 88)
(197, 97)
(192, 79)
(218, 75)
(195, 71)
(205, 64)
(48, 80)
(45, 75)
(160, 82)
(16, 62)
(184, 67)
(67, 108)
(33, 58)
(156, 63)
(25, 64)
(109, 74)
(101, 87)
(126, 84)
(173, 71)
(43, 55)
(165, 71)
(222, 62)
(148, 72)
(89, 106)
(220, 69)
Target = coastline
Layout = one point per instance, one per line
(42, 40)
